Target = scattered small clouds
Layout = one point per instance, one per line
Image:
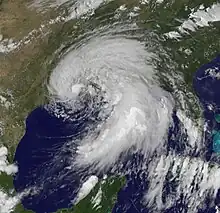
(42, 4)
(5, 102)
(200, 18)
(7, 201)
(85, 7)
(8, 45)
(97, 199)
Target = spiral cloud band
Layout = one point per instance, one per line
(140, 111)
(109, 115)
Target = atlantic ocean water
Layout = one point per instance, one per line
(45, 153)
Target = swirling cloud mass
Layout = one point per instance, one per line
(139, 111)
(135, 115)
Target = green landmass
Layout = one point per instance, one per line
(25, 72)
(109, 189)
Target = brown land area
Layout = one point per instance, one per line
(22, 70)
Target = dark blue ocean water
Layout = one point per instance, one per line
(47, 150)
(207, 88)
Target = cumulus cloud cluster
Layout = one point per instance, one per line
(4, 165)
(7, 202)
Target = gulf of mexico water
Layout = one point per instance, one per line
(121, 105)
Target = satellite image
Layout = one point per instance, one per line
(109, 106)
